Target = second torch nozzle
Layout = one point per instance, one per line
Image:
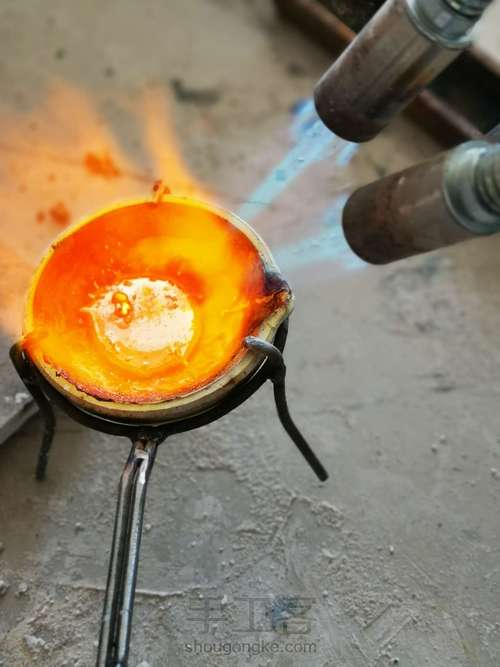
(400, 50)
(450, 198)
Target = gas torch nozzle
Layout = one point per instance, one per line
(450, 198)
(400, 50)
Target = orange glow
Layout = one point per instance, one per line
(62, 156)
(101, 165)
(148, 301)
(60, 214)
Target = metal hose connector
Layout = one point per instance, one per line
(468, 7)
(472, 186)
(446, 22)
(488, 179)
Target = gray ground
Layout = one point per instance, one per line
(393, 375)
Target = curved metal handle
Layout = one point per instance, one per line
(277, 372)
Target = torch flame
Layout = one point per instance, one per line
(64, 158)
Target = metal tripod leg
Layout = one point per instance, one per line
(26, 372)
(277, 372)
(122, 575)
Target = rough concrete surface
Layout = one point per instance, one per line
(393, 373)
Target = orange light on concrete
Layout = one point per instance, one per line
(150, 301)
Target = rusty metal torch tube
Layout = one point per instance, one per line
(404, 47)
(450, 198)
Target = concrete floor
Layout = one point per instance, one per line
(393, 372)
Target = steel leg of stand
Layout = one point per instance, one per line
(277, 372)
(122, 576)
(26, 372)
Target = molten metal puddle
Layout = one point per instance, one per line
(145, 324)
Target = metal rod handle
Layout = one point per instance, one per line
(116, 623)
